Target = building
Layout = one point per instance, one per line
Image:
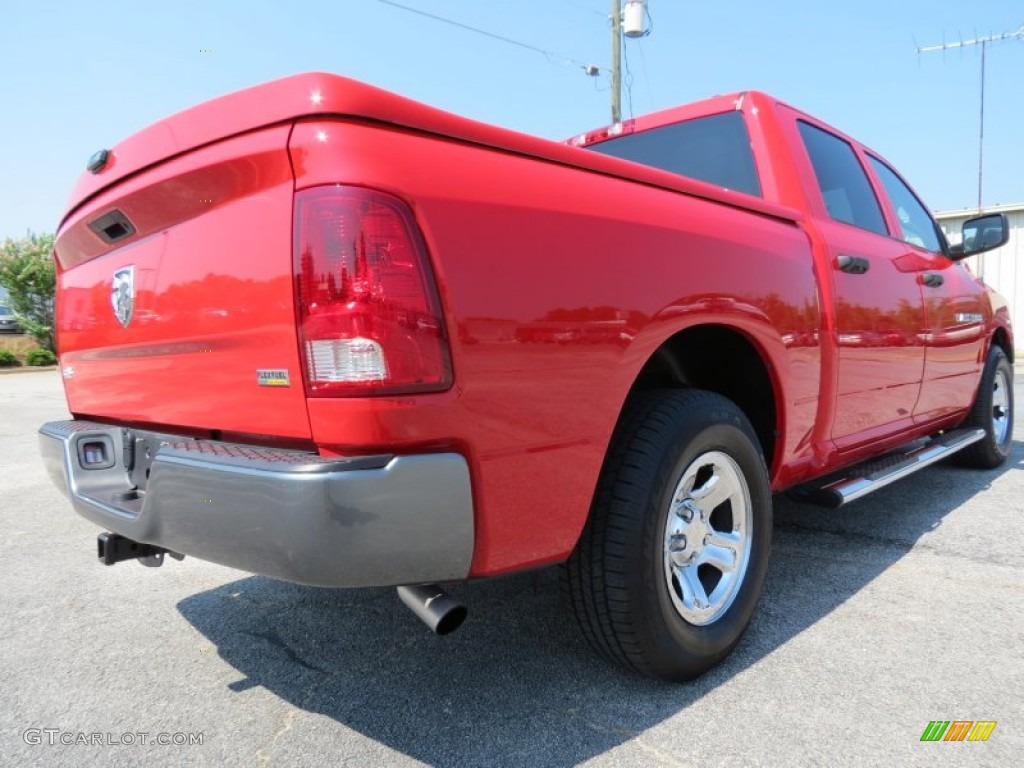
(1003, 268)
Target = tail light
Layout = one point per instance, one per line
(368, 312)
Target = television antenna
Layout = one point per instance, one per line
(983, 42)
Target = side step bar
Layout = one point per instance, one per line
(862, 479)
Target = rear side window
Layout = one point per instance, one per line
(844, 185)
(714, 149)
(916, 224)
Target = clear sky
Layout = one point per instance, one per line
(78, 76)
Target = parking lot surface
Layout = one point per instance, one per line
(902, 608)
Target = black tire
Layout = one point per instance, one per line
(996, 385)
(620, 582)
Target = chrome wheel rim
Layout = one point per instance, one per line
(1000, 407)
(708, 532)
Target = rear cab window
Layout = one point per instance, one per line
(715, 149)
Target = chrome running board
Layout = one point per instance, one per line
(861, 479)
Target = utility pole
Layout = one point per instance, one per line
(616, 61)
(631, 23)
(983, 42)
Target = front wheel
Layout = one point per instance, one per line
(672, 561)
(993, 412)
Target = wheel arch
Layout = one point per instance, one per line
(1001, 338)
(726, 360)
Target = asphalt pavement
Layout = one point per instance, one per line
(902, 608)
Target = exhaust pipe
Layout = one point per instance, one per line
(435, 607)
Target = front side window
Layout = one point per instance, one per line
(715, 149)
(844, 185)
(916, 225)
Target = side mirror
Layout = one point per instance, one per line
(980, 234)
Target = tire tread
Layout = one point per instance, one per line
(984, 454)
(594, 579)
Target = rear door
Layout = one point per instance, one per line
(880, 317)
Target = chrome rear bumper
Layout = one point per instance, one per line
(292, 515)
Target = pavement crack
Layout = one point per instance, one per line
(635, 738)
(265, 753)
(275, 640)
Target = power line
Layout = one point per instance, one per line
(629, 80)
(643, 63)
(643, 67)
(550, 55)
(584, 8)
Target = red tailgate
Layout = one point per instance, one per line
(195, 255)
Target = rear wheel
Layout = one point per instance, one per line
(672, 561)
(993, 412)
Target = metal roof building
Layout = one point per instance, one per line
(1003, 268)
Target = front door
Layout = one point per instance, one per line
(957, 307)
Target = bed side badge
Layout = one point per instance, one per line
(273, 377)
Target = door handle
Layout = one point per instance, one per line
(853, 265)
(932, 279)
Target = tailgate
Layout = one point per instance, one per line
(175, 297)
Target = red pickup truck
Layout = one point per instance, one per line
(320, 332)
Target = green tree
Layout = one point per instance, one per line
(28, 273)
